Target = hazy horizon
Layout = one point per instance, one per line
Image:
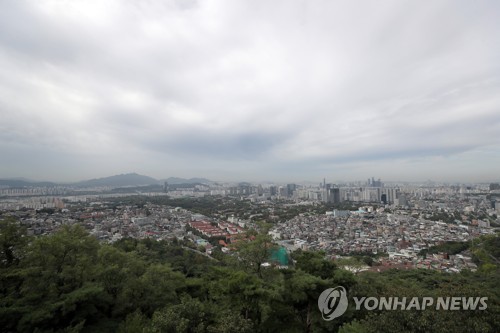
(287, 91)
(262, 181)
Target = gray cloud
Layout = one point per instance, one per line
(251, 89)
(224, 146)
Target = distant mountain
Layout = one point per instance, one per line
(129, 179)
(24, 183)
(176, 180)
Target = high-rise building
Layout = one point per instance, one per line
(391, 194)
(402, 200)
(273, 190)
(383, 198)
(494, 186)
(334, 195)
(374, 183)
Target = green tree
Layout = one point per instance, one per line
(241, 291)
(190, 316)
(135, 322)
(254, 250)
(117, 272)
(59, 288)
(157, 287)
(354, 327)
(314, 263)
(13, 248)
(301, 291)
(13, 241)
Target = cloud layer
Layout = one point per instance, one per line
(285, 90)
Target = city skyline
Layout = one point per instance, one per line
(133, 181)
(250, 90)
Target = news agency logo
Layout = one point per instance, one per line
(333, 303)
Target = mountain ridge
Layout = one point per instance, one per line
(128, 179)
(120, 180)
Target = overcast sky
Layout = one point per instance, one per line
(250, 90)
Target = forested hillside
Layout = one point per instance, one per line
(70, 282)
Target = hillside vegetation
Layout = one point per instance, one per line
(70, 282)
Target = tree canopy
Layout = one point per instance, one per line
(68, 281)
